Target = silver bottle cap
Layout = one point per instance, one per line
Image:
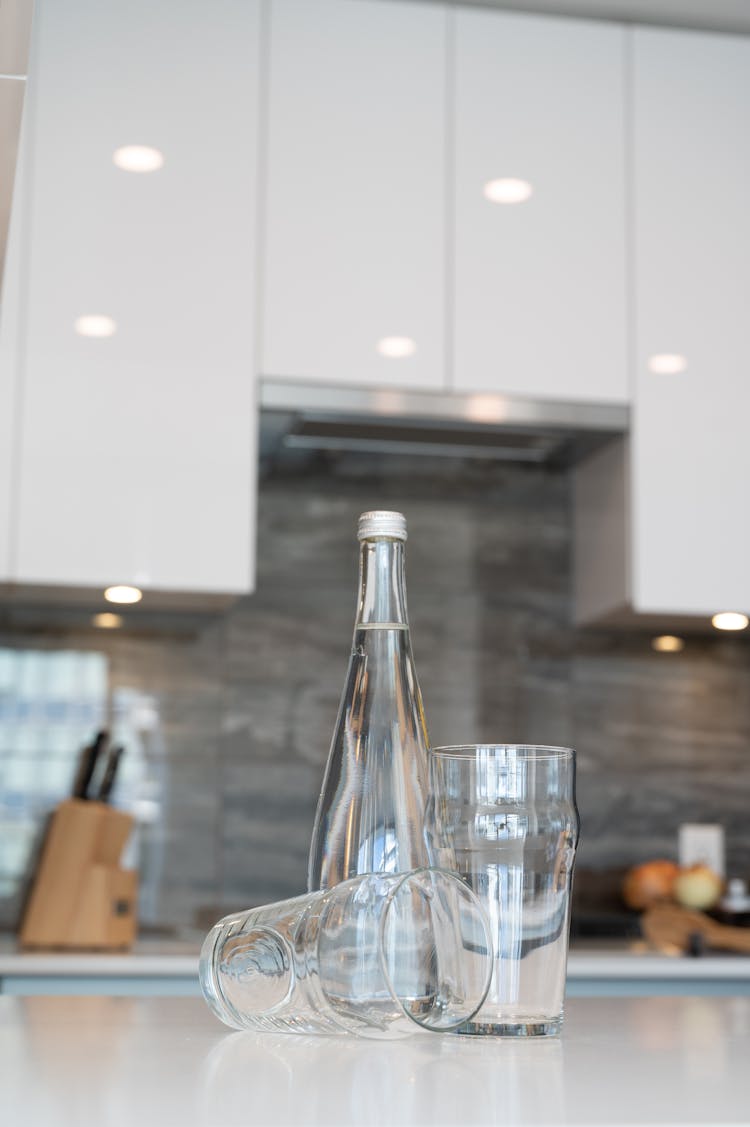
(380, 522)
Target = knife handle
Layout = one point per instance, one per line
(87, 765)
(110, 773)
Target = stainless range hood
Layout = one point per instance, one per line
(305, 416)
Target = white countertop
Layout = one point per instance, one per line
(158, 1062)
(142, 962)
(635, 960)
(159, 959)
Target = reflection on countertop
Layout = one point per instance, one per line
(80, 1062)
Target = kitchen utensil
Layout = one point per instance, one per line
(80, 897)
(669, 926)
(110, 773)
(504, 817)
(87, 765)
(379, 955)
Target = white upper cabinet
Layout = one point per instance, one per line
(10, 364)
(135, 446)
(354, 263)
(661, 521)
(540, 284)
(690, 449)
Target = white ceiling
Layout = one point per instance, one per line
(713, 15)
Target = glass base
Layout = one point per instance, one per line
(534, 1027)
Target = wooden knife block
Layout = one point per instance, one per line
(80, 897)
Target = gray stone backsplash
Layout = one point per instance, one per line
(227, 729)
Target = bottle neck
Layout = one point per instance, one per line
(382, 588)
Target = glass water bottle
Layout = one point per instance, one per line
(370, 815)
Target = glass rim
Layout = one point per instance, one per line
(530, 751)
(428, 1021)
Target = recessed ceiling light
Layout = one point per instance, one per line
(667, 363)
(668, 644)
(395, 348)
(123, 594)
(106, 621)
(95, 325)
(507, 190)
(138, 158)
(730, 620)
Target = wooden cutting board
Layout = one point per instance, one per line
(667, 926)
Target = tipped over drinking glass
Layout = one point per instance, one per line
(380, 955)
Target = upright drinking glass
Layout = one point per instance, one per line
(504, 817)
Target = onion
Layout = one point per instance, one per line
(648, 883)
(697, 887)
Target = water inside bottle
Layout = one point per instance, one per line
(371, 810)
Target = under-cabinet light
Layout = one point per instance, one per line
(730, 620)
(121, 593)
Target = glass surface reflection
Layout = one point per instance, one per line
(435, 1080)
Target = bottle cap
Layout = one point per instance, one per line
(380, 522)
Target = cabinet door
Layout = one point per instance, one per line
(137, 448)
(540, 285)
(691, 457)
(10, 364)
(354, 246)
